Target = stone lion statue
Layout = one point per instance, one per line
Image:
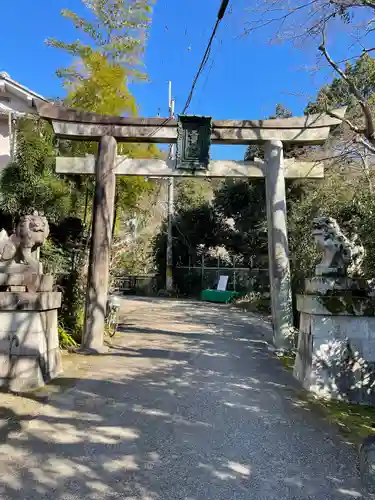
(341, 256)
(30, 234)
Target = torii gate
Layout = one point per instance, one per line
(108, 130)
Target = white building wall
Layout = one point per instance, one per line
(15, 104)
(4, 143)
(17, 101)
(17, 107)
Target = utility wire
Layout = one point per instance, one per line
(208, 73)
(220, 15)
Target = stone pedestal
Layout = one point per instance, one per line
(29, 343)
(336, 346)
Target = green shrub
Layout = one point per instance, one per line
(66, 339)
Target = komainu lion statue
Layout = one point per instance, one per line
(30, 234)
(342, 256)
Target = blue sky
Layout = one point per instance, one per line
(245, 77)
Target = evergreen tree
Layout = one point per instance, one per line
(29, 182)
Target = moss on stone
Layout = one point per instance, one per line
(333, 304)
(337, 302)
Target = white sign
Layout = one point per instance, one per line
(223, 282)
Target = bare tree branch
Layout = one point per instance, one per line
(366, 169)
(369, 132)
(368, 145)
(350, 124)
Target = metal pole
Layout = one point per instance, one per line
(169, 276)
(202, 270)
(169, 266)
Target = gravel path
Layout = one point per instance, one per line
(190, 404)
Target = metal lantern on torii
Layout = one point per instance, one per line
(193, 142)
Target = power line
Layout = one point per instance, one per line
(208, 73)
(220, 15)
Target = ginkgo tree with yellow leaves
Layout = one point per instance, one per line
(103, 90)
(107, 56)
(117, 29)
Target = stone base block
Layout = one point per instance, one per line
(29, 343)
(337, 305)
(336, 352)
(26, 282)
(26, 373)
(323, 284)
(10, 267)
(367, 463)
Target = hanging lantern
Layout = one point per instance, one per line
(193, 142)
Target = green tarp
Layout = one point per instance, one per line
(219, 296)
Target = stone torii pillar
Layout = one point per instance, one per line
(103, 210)
(278, 250)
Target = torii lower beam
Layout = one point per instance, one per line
(293, 169)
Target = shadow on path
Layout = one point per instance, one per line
(202, 413)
